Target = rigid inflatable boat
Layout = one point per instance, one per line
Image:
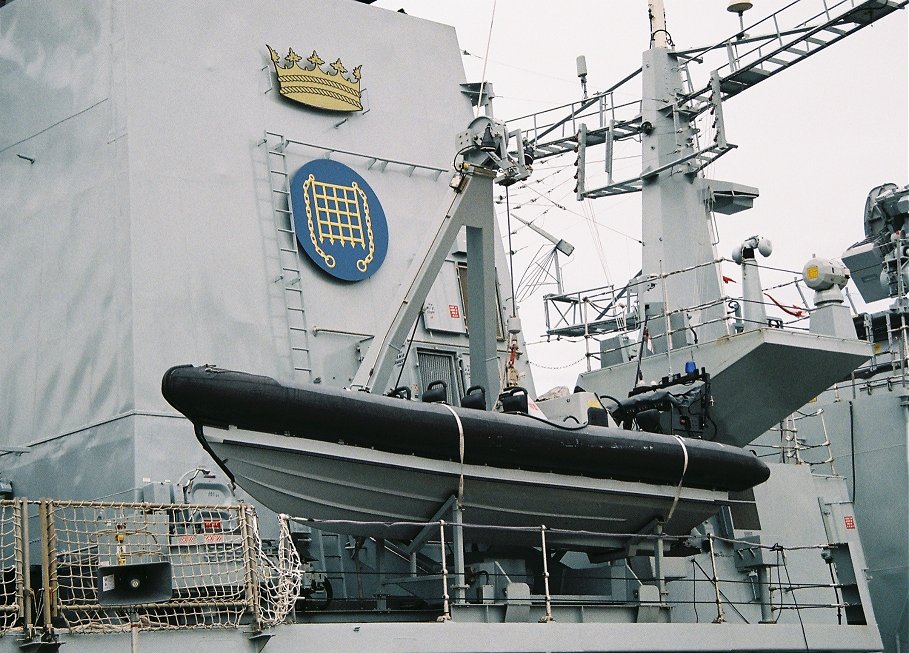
(376, 466)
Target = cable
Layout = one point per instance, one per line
(637, 375)
(581, 215)
(454, 161)
(554, 367)
(836, 593)
(407, 350)
(798, 610)
(486, 57)
(546, 421)
(852, 447)
(668, 36)
(514, 306)
(722, 594)
(609, 397)
(595, 237)
(694, 593)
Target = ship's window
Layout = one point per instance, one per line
(462, 281)
(441, 366)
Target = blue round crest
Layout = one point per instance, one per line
(339, 221)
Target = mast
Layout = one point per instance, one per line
(676, 229)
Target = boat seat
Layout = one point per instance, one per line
(401, 392)
(474, 398)
(436, 392)
(514, 400)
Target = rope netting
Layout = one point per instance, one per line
(10, 564)
(165, 567)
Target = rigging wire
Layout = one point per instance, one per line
(537, 273)
(514, 306)
(524, 70)
(486, 57)
(407, 350)
(592, 225)
(725, 598)
(559, 367)
(798, 611)
(567, 210)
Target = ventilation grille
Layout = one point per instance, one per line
(436, 366)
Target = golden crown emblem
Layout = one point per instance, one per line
(331, 88)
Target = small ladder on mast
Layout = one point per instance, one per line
(750, 61)
(289, 255)
(754, 59)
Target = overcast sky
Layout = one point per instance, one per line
(814, 139)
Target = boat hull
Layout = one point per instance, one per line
(347, 489)
(363, 462)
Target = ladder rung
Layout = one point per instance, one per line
(285, 231)
(816, 41)
(289, 250)
(778, 62)
(300, 349)
(834, 30)
(283, 192)
(282, 210)
(302, 369)
(801, 53)
(278, 172)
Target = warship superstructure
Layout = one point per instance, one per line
(305, 192)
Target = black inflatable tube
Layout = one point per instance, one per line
(221, 398)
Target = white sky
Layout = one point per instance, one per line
(814, 139)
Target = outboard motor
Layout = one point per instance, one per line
(666, 407)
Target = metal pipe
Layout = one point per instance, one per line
(658, 560)
(49, 597)
(248, 547)
(548, 616)
(666, 319)
(380, 574)
(134, 631)
(763, 580)
(658, 33)
(446, 610)
(586, 335)
(720, 616)
(457, 535)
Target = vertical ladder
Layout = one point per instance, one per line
(289, 256)
(332, 550)
(897, 344)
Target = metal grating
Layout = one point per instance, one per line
(440, 366)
